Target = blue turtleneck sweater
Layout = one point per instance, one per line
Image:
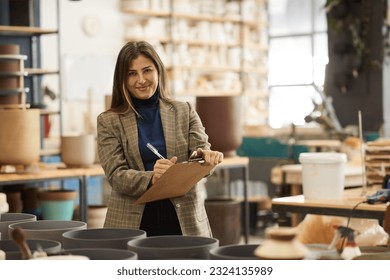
(149, 129)
(159, 217)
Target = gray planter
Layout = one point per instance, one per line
(234, 252)
(12, 251)
(103, 254)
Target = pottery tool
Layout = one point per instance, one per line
(154, 150)
(364, 187)
(20, 238)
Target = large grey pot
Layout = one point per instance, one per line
(12, 251)
(234, 252)
(114, 238)
(103, 253)
(10, 218)
(47, 229)
(172, 247)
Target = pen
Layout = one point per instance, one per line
(154, 150)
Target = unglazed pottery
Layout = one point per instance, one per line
(114, 238)
(12, 251)
(173, 247)
(7, 219)
(78, 150)
(234, 252)
(57, 204)
(20, 136)
(47, 229)
(103, 253)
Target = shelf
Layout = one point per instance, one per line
(147, 13)
(50, 152)
(13, 57)
(12, 74)
(49, 112)
(15, 106)
(208, 18)
(13, 91)
(199, 92)
(38, 71)
(25, 30)
(205, 68)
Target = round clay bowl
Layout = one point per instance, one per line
(113, 238)
(103, 253)
(12, 251)
(78, 150)
(7, 219)
(234, 252)
(47, 229)
(173, 247)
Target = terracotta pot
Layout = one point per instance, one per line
(172, 247)
(57, 204)
(78, 151)
(96, 215)
(222, 118)
(7, 219)
(113, 238)
(234, 252)
(20, 136)
(12, 251)
(46, 229)
(14, 200)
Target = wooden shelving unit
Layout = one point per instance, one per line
(216, 50)
(34, 72)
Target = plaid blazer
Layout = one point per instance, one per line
(117, 138)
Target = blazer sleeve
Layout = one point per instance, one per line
(121, 174)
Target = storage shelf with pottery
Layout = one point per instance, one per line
(210, 48)
(29, 38)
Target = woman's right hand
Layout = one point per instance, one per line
(161, 166)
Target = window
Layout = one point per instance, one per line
(298, 54)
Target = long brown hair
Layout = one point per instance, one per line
(121, 101)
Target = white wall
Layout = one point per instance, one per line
(87, 60)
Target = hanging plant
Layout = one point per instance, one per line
(351, 18)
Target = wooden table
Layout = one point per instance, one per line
(53, 172)
(243, 164)
(342, 207)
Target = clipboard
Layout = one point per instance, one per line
(176, 181)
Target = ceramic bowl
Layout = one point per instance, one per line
(12, 251)
(103, 253)
(172, 247)
(47, 229)
(234, 252)
(114, 238)
(10, 218)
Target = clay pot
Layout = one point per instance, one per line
(14, 200)
(57, 204)
(222, 118)
(20, 136)
(172, 247)
(46, 229)
(78, 151)
(12, 251)
(281, 244)
(7, 219)
(234, 252)
(4, 206)
(113, 238)
(96, 215)
(103, 254)
(225, 219)
(10, 66)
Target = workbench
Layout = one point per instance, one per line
(342, 207)
(55, 172)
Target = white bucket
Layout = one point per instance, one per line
(323, 175)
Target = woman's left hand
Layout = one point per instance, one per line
(210, 157)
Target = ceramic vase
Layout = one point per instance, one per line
(78, 150)
(20, 139)
(222, 118)
(57, 204)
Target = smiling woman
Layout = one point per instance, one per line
(142, 113)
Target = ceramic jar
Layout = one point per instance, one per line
(20, 139)
(221, 117)
(281, 244)
(78, 150)
(57, 204)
